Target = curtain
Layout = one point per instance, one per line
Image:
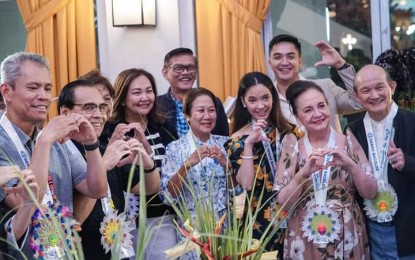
(229, 42)
(63, 31)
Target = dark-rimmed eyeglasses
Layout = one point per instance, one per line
(179, 68)
(90, 108)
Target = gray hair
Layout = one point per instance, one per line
(10, 67)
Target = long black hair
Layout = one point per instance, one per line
(242, 115)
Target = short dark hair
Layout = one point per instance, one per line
(96, 77)
(242, 115)
(191, 96)
(66, 96)
(297, 88)
(177, 52)
(285, 38)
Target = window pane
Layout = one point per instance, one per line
(402, 24)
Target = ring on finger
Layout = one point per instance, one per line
(394, 161)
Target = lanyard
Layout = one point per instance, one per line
(379, 160)
(268, 149)
(24, 155)
(320, 183)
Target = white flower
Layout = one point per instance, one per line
(348, 241)
(297, 249)
(338, 253)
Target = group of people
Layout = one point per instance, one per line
(330, 195)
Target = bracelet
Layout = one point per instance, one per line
(151, 169)
(247, 157)
(91, 147)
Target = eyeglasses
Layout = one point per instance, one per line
(90, 108)
(178, 68)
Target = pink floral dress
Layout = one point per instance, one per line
(352, 242)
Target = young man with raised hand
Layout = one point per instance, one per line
(285, 61)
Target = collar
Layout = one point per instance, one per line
(173, 97)
(278, 92)
(23, 136)
(392, 113)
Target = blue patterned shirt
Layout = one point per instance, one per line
(182, 126)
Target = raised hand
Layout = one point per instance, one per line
(119, 133)
(114, 153)
(197, 156)
(396, 156)
(135, 148)
(340, 158)
(216, 153)
(86, 133)
(140, 135)
(59, 129)
(315, 162)
(30, 180)
(7, 173)
(257, 134)
(329, 56)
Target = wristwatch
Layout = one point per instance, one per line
(344, 66)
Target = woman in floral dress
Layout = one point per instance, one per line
(258, 127)
(326, 222)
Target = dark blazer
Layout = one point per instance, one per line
(166, 104)
(402, 181)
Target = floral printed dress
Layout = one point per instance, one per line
(262, 195)
(353, 241)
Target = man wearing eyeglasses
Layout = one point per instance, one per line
(180, 70)
(26, 88)
(81, 96)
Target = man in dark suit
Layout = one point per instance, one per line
(386, 133)
(180, 70)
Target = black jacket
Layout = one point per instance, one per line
(404, 181)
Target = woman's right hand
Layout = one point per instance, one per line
(315, 162)
(119, 133)
(258, 133)
(198, 155)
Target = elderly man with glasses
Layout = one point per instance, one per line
(180, 70)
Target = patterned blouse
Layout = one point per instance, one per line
(205, 180)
